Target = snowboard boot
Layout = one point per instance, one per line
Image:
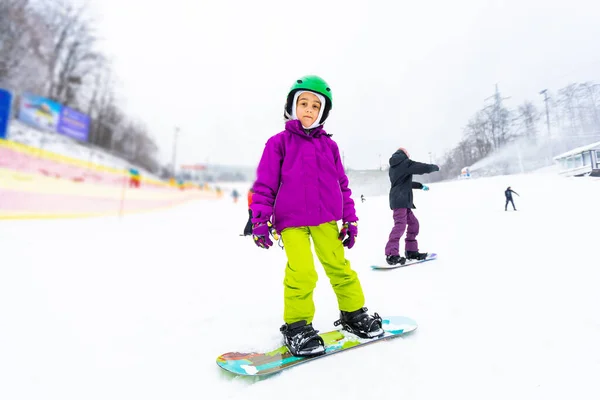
(393, 260)
(360, 323)
(415, 255)
(302, 340)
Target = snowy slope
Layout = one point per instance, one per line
(508, 311)
(60, 144)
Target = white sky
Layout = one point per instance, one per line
(406, 74)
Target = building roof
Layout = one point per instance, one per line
(593, 146)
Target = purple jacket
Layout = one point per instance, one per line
(301, 181)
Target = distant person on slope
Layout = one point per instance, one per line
(302, 186)
(401, 172)
(508, 194)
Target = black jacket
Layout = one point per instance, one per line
(508, 193)
(401, 171)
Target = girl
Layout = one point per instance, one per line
(300, 192)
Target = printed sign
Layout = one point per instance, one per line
(39, 112)
(74, 124)
(45, 114)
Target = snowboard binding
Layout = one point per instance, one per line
(415, 255)
(360, 323)
(393, 260)
(302, 340)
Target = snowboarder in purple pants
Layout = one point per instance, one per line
(402, 168)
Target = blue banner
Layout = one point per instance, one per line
(43, 113)
(74, 124)
(5, 103)
(39, 112)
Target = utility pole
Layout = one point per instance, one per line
(175, 137)
(545, 93)
(380, 166)
(430, 159)
(549, 152)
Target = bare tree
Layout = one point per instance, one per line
(70, 55)
(478, 133)
(102, 108)
(144, 147)
(590, 94)
(528, 117)
(450, 167)
(100, 91)
(499, 124)
(568, 102)
(463, 153)
(109, 126)
(19, 67)
(134, 143)
(12, 29)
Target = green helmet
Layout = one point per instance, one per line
(312, 83)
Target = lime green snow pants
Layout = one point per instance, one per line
(301, 277)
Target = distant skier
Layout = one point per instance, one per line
(235, 194)
(508, 194)
(134, 178)
(401, 171)
(362, 198)
(248, 228)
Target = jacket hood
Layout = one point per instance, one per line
(397, 158)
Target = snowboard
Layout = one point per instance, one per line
(430, 257)
(336, 341)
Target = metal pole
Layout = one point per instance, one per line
(122, 203)
(549, 152)
(175, 149)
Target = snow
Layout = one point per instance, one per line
(60, 144)
(140, 307)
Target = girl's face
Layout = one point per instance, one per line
(307, 109)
